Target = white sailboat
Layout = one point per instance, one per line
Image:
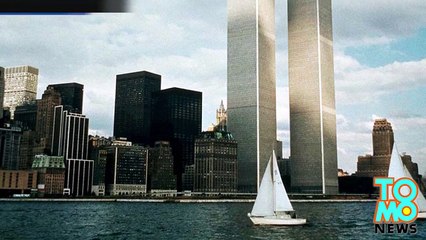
(272, 205)
(397, 170)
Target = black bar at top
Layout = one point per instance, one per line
(62, 6)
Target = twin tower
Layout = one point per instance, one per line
(252, 92)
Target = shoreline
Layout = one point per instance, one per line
(179, 200)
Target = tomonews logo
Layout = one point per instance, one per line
(396, 214)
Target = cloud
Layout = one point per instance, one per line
(365, 22)
(357, 84)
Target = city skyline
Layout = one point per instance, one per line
(379, 41)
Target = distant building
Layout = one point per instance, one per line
(161, 179)
(133, 105)
(216, 166)
(10, 139)
(177, 119)
(378, 164)
(71, 96)
(70, 139)
(51, 175)
(26, 116)
(27, 150)
(98, 153)
(45, 113)
(20, 87)
(126, 171)
(1, 92)
(17, 182)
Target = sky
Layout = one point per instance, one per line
(379, 51)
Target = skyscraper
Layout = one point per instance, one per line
(71, 96)
(132, 117)
(177, 119)
(312, 98)
(70, 137)
(45, 110)
(251, 86)
(20, 86)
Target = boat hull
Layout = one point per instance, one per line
(421, 216)
(277, 221)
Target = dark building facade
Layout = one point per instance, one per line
(79, 176)
(133, 105)
(45, 113)
(26, 115)
(126, 170)
(177, 119)
(10, 139)
(71, 96)
(160, 167)
(1, 92)
(27, 150)
(216, 166)
(70, 137)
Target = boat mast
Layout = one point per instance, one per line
(273, 183)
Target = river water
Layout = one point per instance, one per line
(120, 220)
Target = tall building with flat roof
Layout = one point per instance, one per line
(133, 105)
(20, 87)
(177, 119)
(71, 96)
(312, 99)
(252, 86)
(10, 143)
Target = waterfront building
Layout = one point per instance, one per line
(1, 92)
(20, 87)
(216, 165)
(45, 113)
(26, 116)
(78, 177)
(98, 153)
(252, 86)
(313, 144)
(17, 182)
(71, 96)
(133, 105)
(161, 179)
(10, 139)
(70, 139)
(177, 119)
(51, 175)
(126, 172)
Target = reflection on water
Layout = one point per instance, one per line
(38, 220)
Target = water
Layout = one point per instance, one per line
(115, 220)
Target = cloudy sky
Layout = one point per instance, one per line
(380, 62)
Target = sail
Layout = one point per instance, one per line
(398, 170)
(420, 200)
(264, 204)
(282, 203)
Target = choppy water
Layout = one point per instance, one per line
(114, 220)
